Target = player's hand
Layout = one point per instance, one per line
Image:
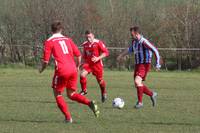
(40, 70)
(158, 66)
(157, 69)
(78, 68)
(119, 58)
(42, 67)
(39, 67)
(95, 59)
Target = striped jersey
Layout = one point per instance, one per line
(143, 51)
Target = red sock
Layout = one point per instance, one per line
(102, 85)
(147, 91)
(83, 82)
(63, 107)
(79, 98)
(140, 93)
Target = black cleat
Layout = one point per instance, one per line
(83, 92)
(153, 99)
(103, 97)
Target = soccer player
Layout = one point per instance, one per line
(142, 50)
(94, 51)
(63, 50)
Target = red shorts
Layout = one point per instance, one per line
(59, 83)
(96, 70)
(142, 70)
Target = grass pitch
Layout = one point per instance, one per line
(27, 104)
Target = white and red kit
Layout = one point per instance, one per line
(63, 50)
(91, 50)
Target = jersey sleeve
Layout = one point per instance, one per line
(84, 54)
(130, 48)
(75, 49)
(103, 48)
(149, 45)
(47, 49)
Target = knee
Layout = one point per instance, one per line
(100, 80)
(70, 94)
(137, 82)
(83, 73)
(57, 93)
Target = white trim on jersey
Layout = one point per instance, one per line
(153, 49)
(95, 40)
(55, 36)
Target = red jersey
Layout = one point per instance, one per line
(94, 49)
(63, 50)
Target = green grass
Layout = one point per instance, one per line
(27, 104)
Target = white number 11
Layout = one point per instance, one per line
(64, 47)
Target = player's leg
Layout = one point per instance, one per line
(150, 93)
(83, 100)
(73, 95)
(139, 87)
(139, 74)
(98, 73)
(102, 85)
(77, 97)
(83, 80)
(146, 90)
(58, 88)
(62, 105)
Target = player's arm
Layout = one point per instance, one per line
(43, 66)
(104, 53)
(46, 56)
(121, 55)
(84, 56)
(155, 51)
(78, 62)
(76, 53)
(125, 52)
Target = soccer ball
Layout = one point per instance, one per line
(118, 103)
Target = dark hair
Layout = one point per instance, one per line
(56, 26)
(88, 32)
(135, 29)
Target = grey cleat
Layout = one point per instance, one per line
(93, 106)
(138, 105)
(153, 99)
(68, 121)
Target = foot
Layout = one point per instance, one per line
(103, 97)
(83, 92)
(153, 99)
(93, 106)
(68, 121)
(138, 105)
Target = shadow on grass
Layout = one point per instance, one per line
(36, 121)
(171, 123)
(39, 101)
